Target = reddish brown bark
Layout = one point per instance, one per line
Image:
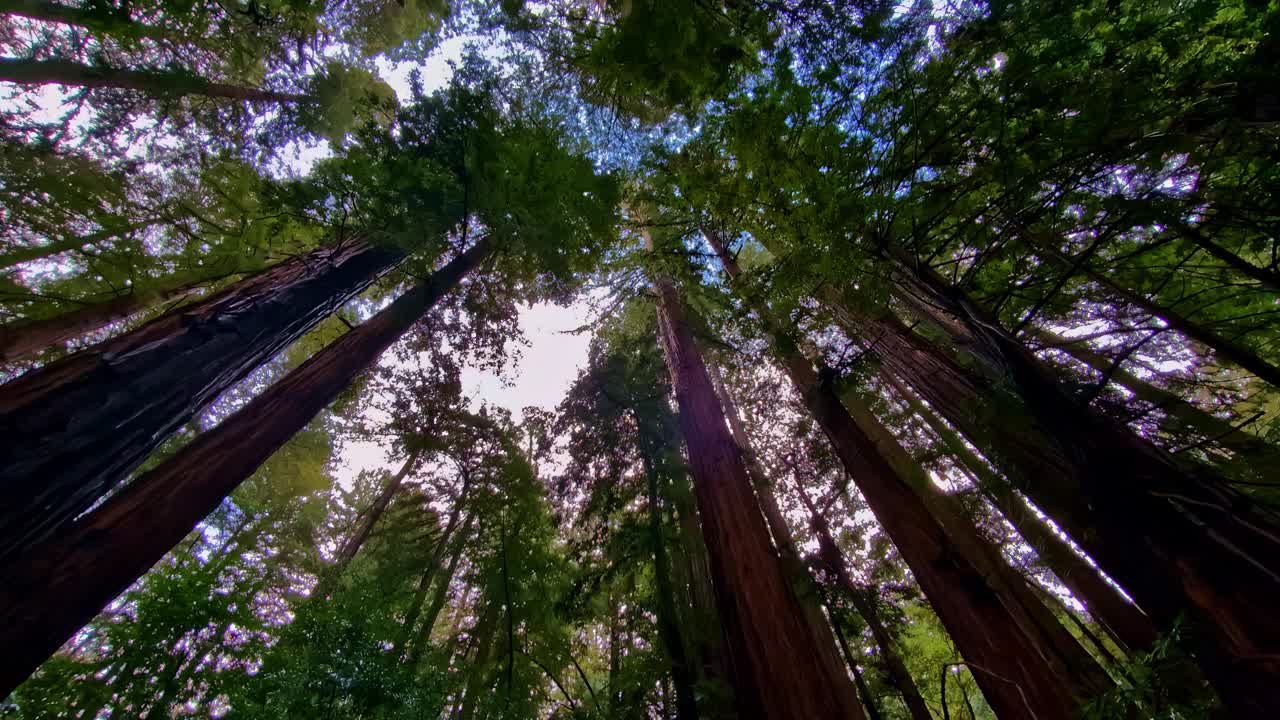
(773, 669)
(793, 565)
(48, 593)
(77, 427)
(1178, 538)
(1129, 625)
(1025, 670)
(20, 340)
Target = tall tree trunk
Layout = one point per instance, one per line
(1104, 602)
(682, 675)
(49, 592)
(88, 18)
(152, 82)
(1025, 671)
(77, 427)
(442, 546)
(22, 339)
(774, 672)
(1178, 538)
(862, 599)
(1184, 415)
(793, 565)
(1223, 346)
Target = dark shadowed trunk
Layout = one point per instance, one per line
(1104, 602)
(77, 427)
(682, 675)
(159, 83)
(1027, 671)
(352, 545)
(864, 600)
(49, 592)
(91, 16)
(1177, 537)
(22, 339)
(442, 582)
(1223, 346)
(774, 671)
(1181, 414)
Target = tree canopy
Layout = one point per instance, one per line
(931, 359)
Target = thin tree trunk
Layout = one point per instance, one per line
(19, 255)
(68, 15)
(48, 593)
(1179, 539)
(864, 691)
(23, 339)
(438, 552)
(682, 676)
(77, 427)
(769, 644)
(441, 594)
(1104, 602)
(1249, 447)
(1223, 346)
(990, 625)
(859, 596)
(352, 545)
(152, 82)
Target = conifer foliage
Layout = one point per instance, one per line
(931, 364)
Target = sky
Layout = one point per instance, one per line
(551, 360)
(547, 367)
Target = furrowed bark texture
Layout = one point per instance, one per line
(20, 340)
(1031, 665)
(77, 427)
(793, 566)
(774, 671)
(48, 593)
(1177, 538)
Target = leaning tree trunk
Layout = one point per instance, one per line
(441, 595)
(23, 339)
(1223, 346)
(352, 545)
(833, 557)
(159, 83)
(1122, 619)
(77, 427)
(1024, 669)
(86, 17)
(1182, 415)
(1178, 538)
(774, 671)
(50, 591)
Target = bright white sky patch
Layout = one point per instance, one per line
(547, 367)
